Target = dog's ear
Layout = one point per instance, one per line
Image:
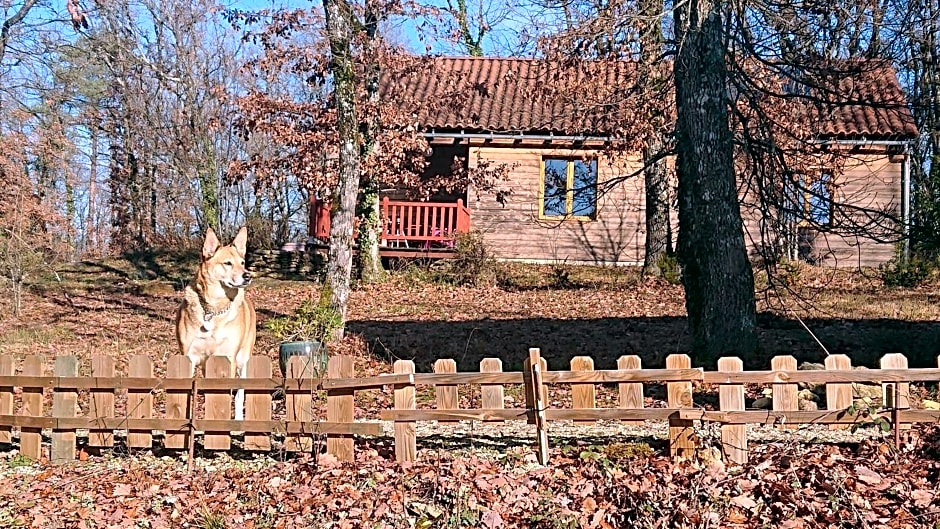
(241, 241)
(211, 245)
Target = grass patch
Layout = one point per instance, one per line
(33, 335)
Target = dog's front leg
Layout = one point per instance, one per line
(240, 395)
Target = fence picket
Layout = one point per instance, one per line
(218, 404)
(631, 393)
(785, 396)
(492, 395)
(101, 402)
(838, 395)
(896, 395)
(7, 368)
(31, 438)
(178, 402)
(64, 406)
(299, 402)
(340, 407)
(582, 395)
(258, 403)
(447, 397)
(731, 398)
(681, 435)
(140, 402)
(406, 443)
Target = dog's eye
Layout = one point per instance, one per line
(228, 263)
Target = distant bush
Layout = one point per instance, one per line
(900, 272)
(669, 268)
(472, 265)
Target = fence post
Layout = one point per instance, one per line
(6, 398)
(179, 403)
(140, 402)
(785, 397)
(406, 443)
(534, 355)
(298, 402)
(258, 403)
(463, 218)
(101, 402)
(64, 404)
(218, 404)
(491, 395)
(896, 394)
(582, 395)
(535, 401)
(731, 398)
(631, 393)
(447, 398)
(838, 395)
(681, 435)
(340, 407)
(31, 438)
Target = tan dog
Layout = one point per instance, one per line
(215, 317)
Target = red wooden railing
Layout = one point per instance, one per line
(423, 223)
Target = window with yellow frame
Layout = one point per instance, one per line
(568, 188)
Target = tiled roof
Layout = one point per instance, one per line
(868, 103)
(476, 94)
(509, 95)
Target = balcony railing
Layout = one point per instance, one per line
(408, 224)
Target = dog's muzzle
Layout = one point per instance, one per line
(246, 280)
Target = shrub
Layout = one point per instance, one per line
(900, 272)
(472, 265)
(669, 268)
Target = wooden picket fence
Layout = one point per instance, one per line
(23, 406)
(681, 412)
(179, 391)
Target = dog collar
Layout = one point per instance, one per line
(209, 314)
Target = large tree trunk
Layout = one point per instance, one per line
(716, 274)
(370, 215)
(656, 177)
(658, 235)
(343, 211)
(370, 222)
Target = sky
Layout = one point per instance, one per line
(406, 30)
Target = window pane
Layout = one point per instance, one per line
(820, 200)
(555, 188)
(585, 188)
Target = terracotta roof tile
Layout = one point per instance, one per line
(509, 95)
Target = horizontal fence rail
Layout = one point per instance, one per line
(181, 405)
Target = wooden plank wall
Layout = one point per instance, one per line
(869, 180)
(514, 231)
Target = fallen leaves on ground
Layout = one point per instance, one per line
(808, 486)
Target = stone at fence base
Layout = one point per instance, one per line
(807, 405)
(763, 403)
(807, 400)
(859, 390)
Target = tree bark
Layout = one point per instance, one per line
(656, 177)
(716, 274)
(369, 213)
(343, 211)
(658, 236)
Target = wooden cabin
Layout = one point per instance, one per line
(571, 198)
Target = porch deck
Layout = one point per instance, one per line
(409, 229)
